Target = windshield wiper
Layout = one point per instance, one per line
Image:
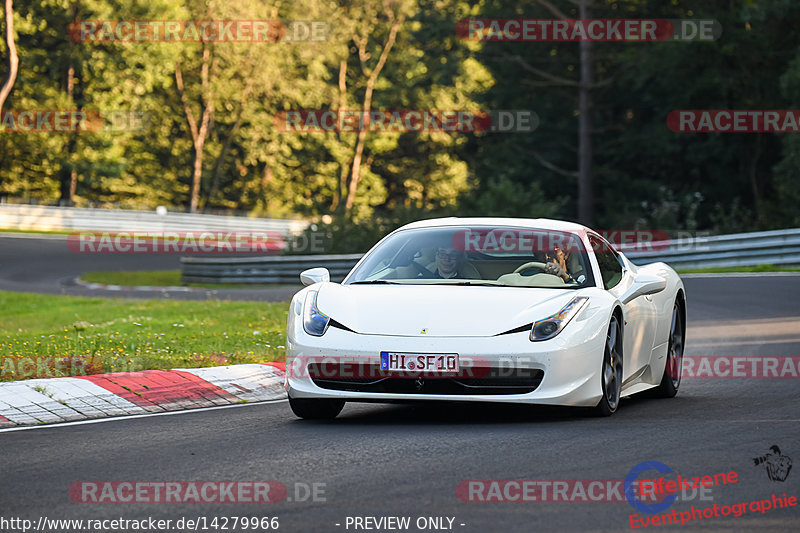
(476, 283)
(373, 281)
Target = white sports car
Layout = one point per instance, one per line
(490, 310)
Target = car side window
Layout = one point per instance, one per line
(608, 261)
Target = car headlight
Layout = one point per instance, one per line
(549, 327)
(315, 322)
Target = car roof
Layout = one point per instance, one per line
(533, 223)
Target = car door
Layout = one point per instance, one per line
(639, 315)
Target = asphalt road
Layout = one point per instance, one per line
(377, 460)
(50, 267)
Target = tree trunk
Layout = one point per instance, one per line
(69, 176)
(13, 58)
(266, 181)
(199, 134)
(355, 174)
(753, 175)
(585, 196)
(585, 107)
(342, 185)
(229, 141)
(73, 185)
(197, 174)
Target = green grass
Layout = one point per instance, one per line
(722, 270)
(159, 278)
(37, 231)
(44, 336)
(163, 278)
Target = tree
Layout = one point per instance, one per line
(395, 16)
(211, 141)
(13, 58)
(199, 132)
(585, 85)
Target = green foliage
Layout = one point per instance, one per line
(644, 174)
(344, 235)
(501, 196)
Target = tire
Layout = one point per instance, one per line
(671, 379)
(611, 371)
(316, 409)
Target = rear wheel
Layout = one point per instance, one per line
(316, 409)
(611, 372)
(671, 379)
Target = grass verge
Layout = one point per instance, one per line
(723, 270)
(48, 336)
(36, 231)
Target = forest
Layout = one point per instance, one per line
(195, 122)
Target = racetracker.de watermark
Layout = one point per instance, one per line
(198, 242)
(514, 241)
(72, 120)
(410, 366)
(734, 121)
(563, 490)
(406, 120)
(733, 367)
(182, 492)
(601, 30)
(44, 366)
(243, 31)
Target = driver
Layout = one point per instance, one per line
(556, 264)
(448, 262)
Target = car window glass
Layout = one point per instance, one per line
(608, 261)
(487, 255)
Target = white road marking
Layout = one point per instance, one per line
(690, 344)
(746, 329)
(46, 236)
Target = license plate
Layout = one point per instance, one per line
(419, 362)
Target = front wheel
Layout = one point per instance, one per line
(611, 371)
(316, 409)
(671, 379)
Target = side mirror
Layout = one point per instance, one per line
(314, 275)
(643, 284)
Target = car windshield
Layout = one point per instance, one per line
(480, 256)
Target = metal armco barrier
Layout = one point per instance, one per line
(50, 218)
(780, 247)
(277, 269)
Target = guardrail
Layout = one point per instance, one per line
(778, 247)
(51, 218)
(781, 247)
(280, 269)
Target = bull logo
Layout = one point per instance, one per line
(778, 465)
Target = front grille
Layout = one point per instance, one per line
(477, 380)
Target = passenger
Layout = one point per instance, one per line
(564, 265)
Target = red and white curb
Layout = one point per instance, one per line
(46, 401)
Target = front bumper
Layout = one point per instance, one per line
(562, 371)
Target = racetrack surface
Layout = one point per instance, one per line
(50, 267)
(407, 460)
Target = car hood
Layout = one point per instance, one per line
(437, 310)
